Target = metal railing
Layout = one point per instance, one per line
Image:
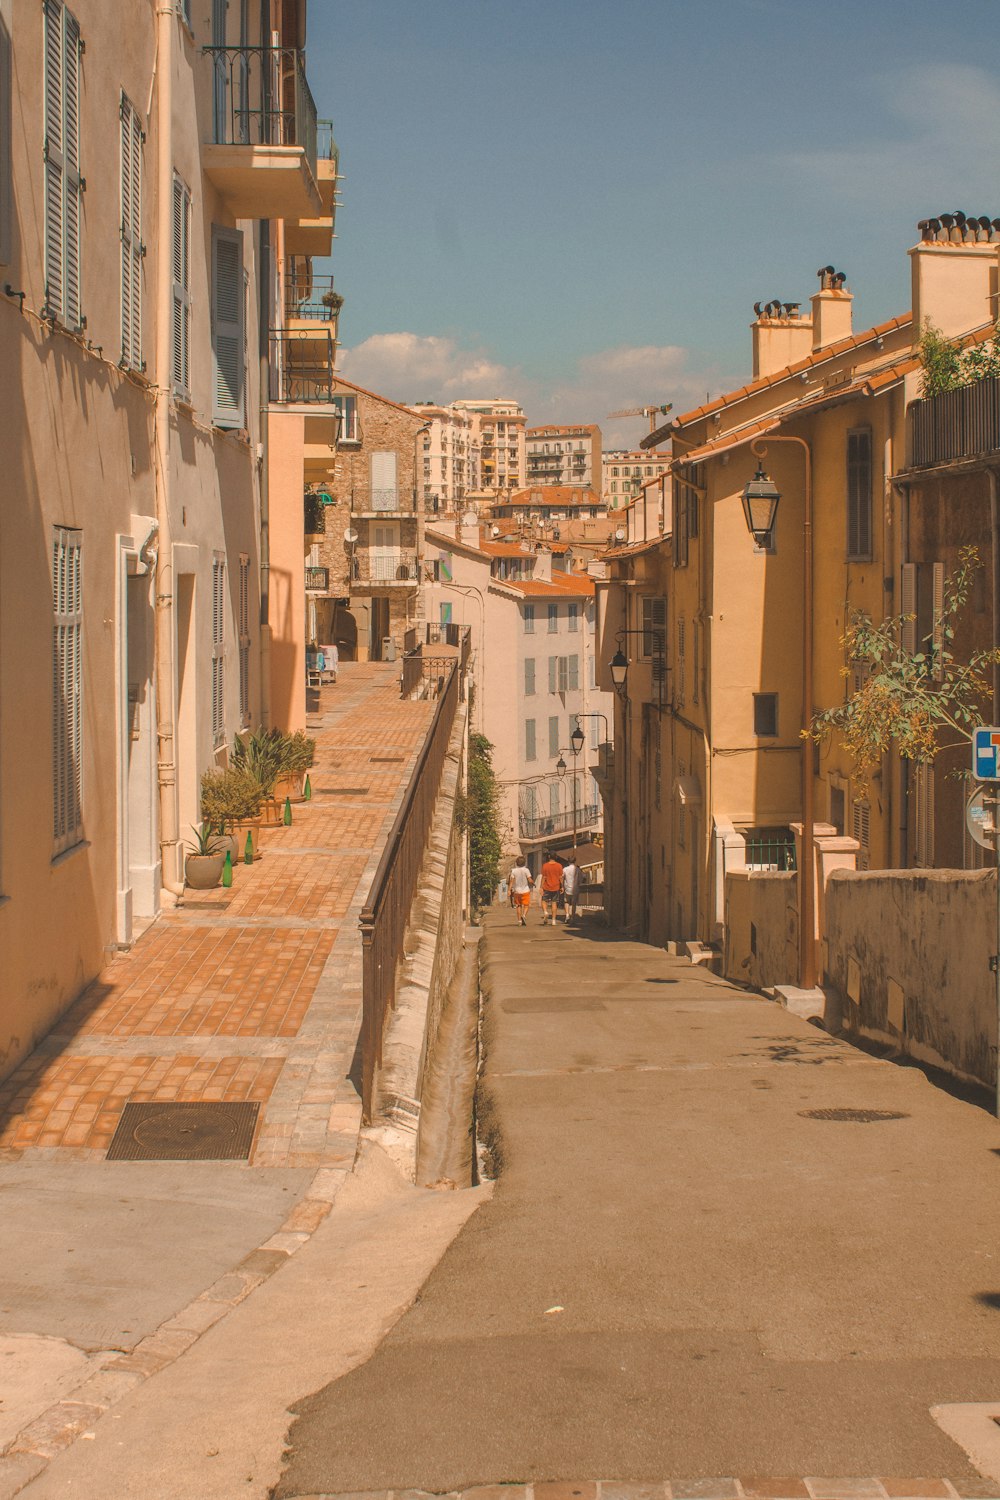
(387, 908)
(775, 853)
(317, 580)
(956, 424)
(326, 146)
(387, 501)
(551, 823)
(395, 567)
(313, 297)
(301, 366)
(261, 98)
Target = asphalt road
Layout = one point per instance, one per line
(681, 1272)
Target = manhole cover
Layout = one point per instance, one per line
(184, 1132)
(859, 1116)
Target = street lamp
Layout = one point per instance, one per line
(576, 740)
(760, 507)
(760, 503)
(619, 670)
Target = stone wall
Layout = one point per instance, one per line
(762, 927)
(907, 962)
(433, 946)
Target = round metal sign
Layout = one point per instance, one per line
(979, 817)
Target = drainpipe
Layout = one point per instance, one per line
(264, 341)
(995, 557)
(166, 759)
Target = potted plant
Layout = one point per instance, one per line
(298, 754)
(203, 865)
(230, 803)
(261, 755)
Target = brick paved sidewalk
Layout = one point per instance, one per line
(707, 1489)
(250, 993)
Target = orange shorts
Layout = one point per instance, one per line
(523, 898)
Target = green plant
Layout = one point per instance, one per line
(480, 814)
(299, 752)
(205, 840)
(260, 755)
(229, 796)
(946, 366)
(907, 698)
(315, 520)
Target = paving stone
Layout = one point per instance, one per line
(579, 1490)
(776, 1488)
(705, 1489)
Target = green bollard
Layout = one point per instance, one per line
(227, 869)
(248, 849)
(288, 811)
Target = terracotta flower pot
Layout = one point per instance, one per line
(290, 786)
(202, 872)
(272, 812)
(239, 832)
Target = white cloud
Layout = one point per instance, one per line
(940, 156)
(414, 367)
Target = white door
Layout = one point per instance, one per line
(384, 552)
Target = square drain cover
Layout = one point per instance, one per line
(184, 1132)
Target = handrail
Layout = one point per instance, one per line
(261, 98)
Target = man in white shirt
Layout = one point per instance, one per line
(571, 887)
(520, 886)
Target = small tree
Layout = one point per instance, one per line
(481, 812)
(910, 698)
(946, 366)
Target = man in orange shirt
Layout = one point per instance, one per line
(552, 873)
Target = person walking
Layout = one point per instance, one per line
(552, 876)
(520, 885)
(571, 887)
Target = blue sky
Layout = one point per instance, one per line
(577, 202)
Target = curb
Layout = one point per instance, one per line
(809, 1488)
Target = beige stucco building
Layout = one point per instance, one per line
(624, 472)
(498, 434)
(563, 455)
(138, 212)
(448, 460)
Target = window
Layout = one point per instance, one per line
(568, 674)
(180, 328)
(573, 616)
(553, 618)
(244, 638)
(529, 739)
(861, 829)
(529, 619)
(529, 677)
(348, 408)
(63, 183)
(227, 327)
(218, 651)
(553, 735)
(859, 493)
(67, 688)
(6, 128)
(131, 234)
(384, 493)
(765, 715)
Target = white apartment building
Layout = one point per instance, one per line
(447, 458)
(499, 432)
(563, 455)
(624, 472)
(533, 642)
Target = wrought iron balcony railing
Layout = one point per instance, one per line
(261, 98)
(317, 580)
(302, 367)
(385, 567)
(312, 297)
(552, 823)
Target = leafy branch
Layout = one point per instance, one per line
(909, 698)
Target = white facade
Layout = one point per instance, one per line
(624, 472)
(564, 455)
(499, 433)
(447, 458)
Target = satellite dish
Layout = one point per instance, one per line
(350, 535)
(495, 531)
(470, 518)
(620, 534)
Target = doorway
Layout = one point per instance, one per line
(378, 626)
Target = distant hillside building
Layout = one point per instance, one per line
(563, 455)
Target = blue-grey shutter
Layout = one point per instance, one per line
(227, 327)
(131, 235)
(180, 333)
(54, 159)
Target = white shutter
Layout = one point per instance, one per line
(862, 826)
(227, 327)
(218, 652)
(6, 164)
(383, 482)
(67, 688)
(131, 235)
(180, 332)
(908, 606)
(937, 618)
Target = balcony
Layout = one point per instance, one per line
(261, 154)
(395, 501)
(556, 823)
(386, 569)
(302, 367)
(312, 309)
(956, 425)
(314, 236)
(317, 580)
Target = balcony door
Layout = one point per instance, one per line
(384, 551)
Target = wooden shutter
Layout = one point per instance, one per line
(695, 659)
(658, 641)
(529, 676)
(72, 313)
(529, 739)
(218, 652)
(180, 333)
(923, 813)
(908, 606)
(937, 618)
(681, 661)
(553, 674)
(227, 327)
(67, 688)
(859, 493)
(131, 235)
(6, 126)
(54, 159)
(861, 812)
(574, 673)
(563, 668)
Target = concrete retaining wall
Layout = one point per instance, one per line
(907, 957)
(434, 939)
(762, 927)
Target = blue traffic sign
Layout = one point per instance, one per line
(986, 753)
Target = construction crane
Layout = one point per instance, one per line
(652, 412)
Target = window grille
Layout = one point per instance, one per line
(180, 326)
(218, 651)
(67, 688)
(63, 182)
(132, 249)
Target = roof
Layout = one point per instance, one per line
(554, 494)
(633, 549)
(818, 357)
(362, 390)
(551, 427)
(563, 585)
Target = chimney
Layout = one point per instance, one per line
(781, 336)
(831, 309)
(953, 272)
